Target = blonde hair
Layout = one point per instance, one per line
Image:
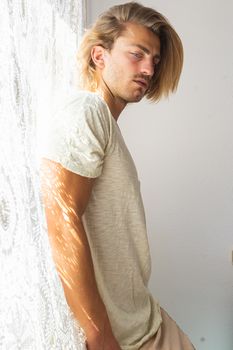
(110, 25)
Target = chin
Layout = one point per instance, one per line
(137, 98)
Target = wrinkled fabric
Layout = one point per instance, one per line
(168, 337)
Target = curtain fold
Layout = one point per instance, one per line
(37, 58)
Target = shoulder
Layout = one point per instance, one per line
(84, 100)
(83, 114)
(80, 106)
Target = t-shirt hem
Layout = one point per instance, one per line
(147, 337)
(74, 169)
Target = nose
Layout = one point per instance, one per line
(147, 67)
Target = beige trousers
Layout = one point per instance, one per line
(168, 337)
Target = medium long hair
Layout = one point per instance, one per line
(110, 25)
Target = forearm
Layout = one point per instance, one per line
(72, 256)
(65, 197)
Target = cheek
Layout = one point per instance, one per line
(132, 67)
(121, 70)
(125, 63)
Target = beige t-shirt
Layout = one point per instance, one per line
(86, 139)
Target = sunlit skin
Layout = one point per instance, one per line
(124, 74)
(65, 196)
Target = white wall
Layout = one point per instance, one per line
(183, 148)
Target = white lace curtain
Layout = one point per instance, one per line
(38, 42)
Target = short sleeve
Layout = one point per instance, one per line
(78, 139)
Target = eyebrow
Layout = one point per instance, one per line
(143, 48)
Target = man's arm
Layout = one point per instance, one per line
(65, 197)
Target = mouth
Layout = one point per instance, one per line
(141, 82)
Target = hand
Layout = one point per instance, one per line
(104, 340)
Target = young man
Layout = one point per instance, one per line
(91, 190)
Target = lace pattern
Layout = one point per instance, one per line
(35, 58)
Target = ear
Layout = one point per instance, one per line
(98, 55)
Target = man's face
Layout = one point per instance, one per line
(130, 65)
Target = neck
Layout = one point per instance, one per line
(115, 104)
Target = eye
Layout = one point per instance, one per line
(137, 55)
(156, 61)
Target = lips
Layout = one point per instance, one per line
(142, 83)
